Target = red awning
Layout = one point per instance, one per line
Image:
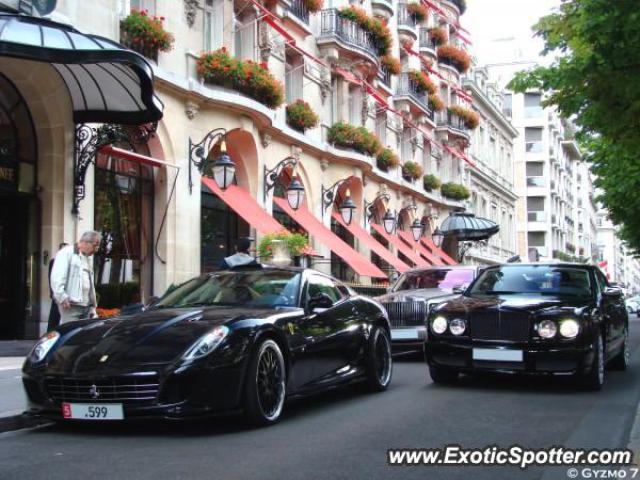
(401, 246)
(311, 224)
(363, 236)
(347, 75)
(133, 156)
(426, 254)
(427, 242)
(241, 202)
(456, 153)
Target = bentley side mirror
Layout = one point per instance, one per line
(459, 289)
(612, 292)
(320, 301)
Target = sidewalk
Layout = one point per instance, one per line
(13, 400)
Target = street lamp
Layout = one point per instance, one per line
(416, 229)
(347, 207)
(223, 168)
(437, 236)
(295, 191)
(389, 222)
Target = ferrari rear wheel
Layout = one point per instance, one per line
(379, 361)
(265, 390)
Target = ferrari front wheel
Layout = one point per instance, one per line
(265, 390)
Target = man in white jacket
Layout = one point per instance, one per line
(72, 279)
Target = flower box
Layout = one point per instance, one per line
(387, 159)
(391, 63)
(431, 182)
(418, 11)
(356, 138)
(471, 119)
(247, 77)
(282, 246)
(144, 34)
(438, 35)
(300, 116)
(422, 82)
(455, 191)
(378, 29)
(412, 171)
(454, 56)
(436, 103)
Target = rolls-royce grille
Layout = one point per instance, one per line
(136, 390)
(406, 314)
(505, 325)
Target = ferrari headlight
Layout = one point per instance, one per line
(439, 325)
(547, 329)
(569, 328)
(207, 344)
(44, 345)
(457, 326)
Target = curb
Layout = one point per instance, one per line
(634, 437)
(20, 421)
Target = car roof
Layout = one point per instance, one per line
(444, 267)
(544, 264)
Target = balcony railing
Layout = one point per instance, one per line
(426, 41)
(404, 17)
(406, 87)
(384, 76)
(300, 10)
(536, 217)
(451, 120)
(535, 182)
(332, 24)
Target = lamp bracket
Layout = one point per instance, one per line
(270, 176)
(198, 152)
(329, 194)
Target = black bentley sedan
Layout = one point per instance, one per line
(239, 340)
(559, 319)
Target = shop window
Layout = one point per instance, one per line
(124, 217)
(339, 268)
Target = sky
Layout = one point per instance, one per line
(501, 29)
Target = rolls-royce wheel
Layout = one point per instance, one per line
(265, 390)
(440, 376)
(379, 362)
(595, 378)
(621, 361)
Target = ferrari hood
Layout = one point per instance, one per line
(150, 338)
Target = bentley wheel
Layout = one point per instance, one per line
(595, 379)
(621, 361)
(265, 390)
(440, 376)
(379, 362)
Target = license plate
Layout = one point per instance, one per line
(500, 355)
(408, 333)
(93, 411)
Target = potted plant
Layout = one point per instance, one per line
(431, 182)
(458, 58)
(436, 103)
(145, 34)
(281, 247)
(411, 171)
(418, 11)
(300, 116)
(359, 139)
(387, 159)
(248, 77)
(438, 35)
(378, 29)
(422, 82)
(471, 119)
(391, 63)
(313, 5)
(455, 191)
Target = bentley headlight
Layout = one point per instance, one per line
(44, 345)
(547, 329)
(569, 328)
(439, 325)
(457, 326)
(207, 344)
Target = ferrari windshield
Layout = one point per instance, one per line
(441, 278)
(256, 288)
(533, 279)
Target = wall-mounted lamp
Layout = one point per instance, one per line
(388, 220)
(223, 169)
(347, 207)
(295, 191)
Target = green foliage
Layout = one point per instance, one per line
(431, 182)
(301, 116)
(144, 31)
(357, 138)
(296, 243)
(387, 159)
(411, 170)
(455, 191)
(594, 81)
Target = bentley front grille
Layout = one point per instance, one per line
(406, 314)
(503, 325)
(131, 389)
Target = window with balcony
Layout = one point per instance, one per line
(406, 149)
(355, 105)
(245, 35)
(533, 139)
(148, 5)
(294, 76)
(532, 107)
(213, 28)
(535, 209)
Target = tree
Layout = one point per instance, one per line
(594, 80)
